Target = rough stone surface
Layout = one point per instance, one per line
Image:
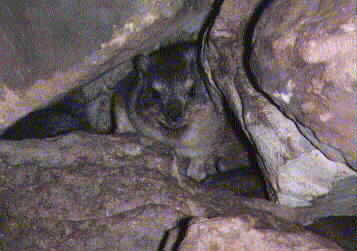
(341, 229)
(305, 59)
(300, 163)
(105, 192)
(250, 233)
(85, 192)
(91, 192)
(59, 46)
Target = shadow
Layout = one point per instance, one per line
(248, 37)
(182, 226)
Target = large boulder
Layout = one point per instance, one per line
(287, 70)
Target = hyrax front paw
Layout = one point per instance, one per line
(200, 168)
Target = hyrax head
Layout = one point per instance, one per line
(172, 76)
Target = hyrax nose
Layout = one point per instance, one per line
(174, 111)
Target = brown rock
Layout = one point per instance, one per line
(251, 233)
(305, 59)
(292, 103)
(48, 55)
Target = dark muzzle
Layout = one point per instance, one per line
(174, 114)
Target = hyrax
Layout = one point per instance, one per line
(171, 104)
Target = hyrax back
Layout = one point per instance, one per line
(171, 104)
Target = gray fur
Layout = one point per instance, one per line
(171, 104)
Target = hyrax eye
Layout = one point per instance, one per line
(156, 89)
(155, 93)
(192, 92)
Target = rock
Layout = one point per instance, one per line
(139, 229)
(341, 229)
(248, 232)
(64, 51)
(105, 192)
(271, 78)
(243, 181)
(113, 192)
(90, 192)
(305, 59)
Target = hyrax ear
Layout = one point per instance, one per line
(142, 63)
